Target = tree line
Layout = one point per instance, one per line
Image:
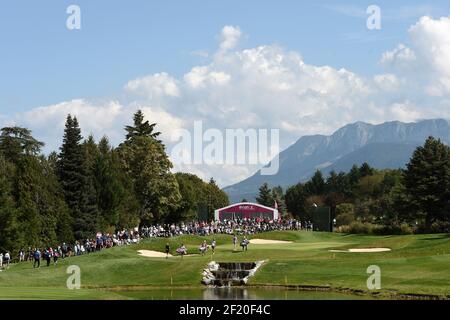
(364, 200)
(91, 186)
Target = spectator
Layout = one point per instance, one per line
(47, 257)
(7, 258)
(21, 255)
(182, 250)
(244, 244)
(213, 246)
(167, 250)
(37, 258)
(55, 257)
(30, 254)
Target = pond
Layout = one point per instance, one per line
(236, 294)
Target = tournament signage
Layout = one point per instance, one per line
(247, 211)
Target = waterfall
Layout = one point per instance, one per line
(226, 274)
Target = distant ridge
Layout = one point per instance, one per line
(384, 146)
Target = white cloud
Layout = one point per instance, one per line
(270, 87)
(200, 77)
(400, 57)
(405, 112)
(388, 82)
(154, 86)
(48, 121)
(97, 118)
(426, 62)
(230, 37)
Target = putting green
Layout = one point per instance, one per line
(417, 264)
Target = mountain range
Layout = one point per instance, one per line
(384, 146)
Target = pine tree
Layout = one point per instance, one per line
(10, 231)
(427, 182)
(104, 147)
(316, 185)
(90, 153)
(217, 198)
(354, 175)
(32, 207)
(17, 141)
(365, 170)
(110, 191)
(296, 200)
(71, 170)
(73, 176)
(265, 196)
(146, 163)
(54, 199)
(43, 215)
(141, 128)
(332, 183)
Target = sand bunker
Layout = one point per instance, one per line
(266, 241)
(363, 250)
(152, 254)
(157, 254)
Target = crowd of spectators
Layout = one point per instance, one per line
(126, 237)
(240, 227)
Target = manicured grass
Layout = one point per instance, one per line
(418, 264)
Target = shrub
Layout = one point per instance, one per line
(393, 229)
(440, 227)
(343, 229)
(357, 227)
(436, 227)
(345, 214)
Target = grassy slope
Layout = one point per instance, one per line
(417, 264)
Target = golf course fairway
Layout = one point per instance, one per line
(416, 265)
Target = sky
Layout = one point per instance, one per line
(303, 67)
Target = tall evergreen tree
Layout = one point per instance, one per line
(216, 197)
(265, 196)
(110, 191)
(296, 200)
(316, 185)
(73, 176)
(71, 170)
(365, 170)
(43, 214)
(427, 182)
(10, 231)
(141, 128)
(147, 165)
(17, 141)
(354, 175)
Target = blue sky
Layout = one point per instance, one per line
(42, 62)
(303, 67)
